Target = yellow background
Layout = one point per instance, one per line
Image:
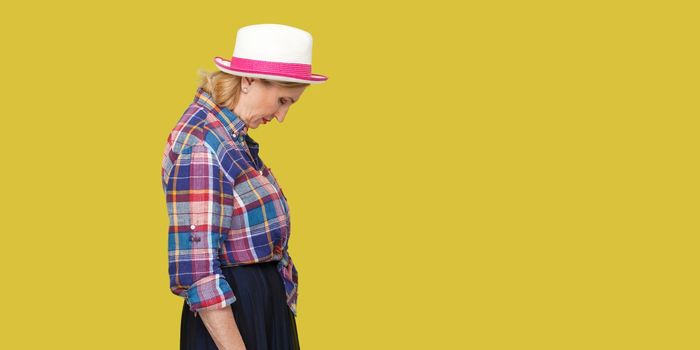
(491, 175)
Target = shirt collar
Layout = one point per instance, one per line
(233, 124)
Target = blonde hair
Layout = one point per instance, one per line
(225, 88)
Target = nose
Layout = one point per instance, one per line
(280, 115)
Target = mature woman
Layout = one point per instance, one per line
(229, 219)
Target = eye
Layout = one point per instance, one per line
(282, 101)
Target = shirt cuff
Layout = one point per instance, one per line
(211, 292)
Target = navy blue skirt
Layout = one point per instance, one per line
(262, 315)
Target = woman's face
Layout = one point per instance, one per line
(262, 103)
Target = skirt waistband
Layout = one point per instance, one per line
(273, 263)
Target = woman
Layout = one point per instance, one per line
(229, 219)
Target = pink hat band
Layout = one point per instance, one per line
(292, 70)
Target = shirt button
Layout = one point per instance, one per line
(193, 227)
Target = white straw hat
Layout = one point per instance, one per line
(272, 51)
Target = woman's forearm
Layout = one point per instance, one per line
(223, 329)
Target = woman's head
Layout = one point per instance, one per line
(254, 100)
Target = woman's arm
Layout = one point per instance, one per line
(223, 329)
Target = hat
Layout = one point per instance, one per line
(272, 51)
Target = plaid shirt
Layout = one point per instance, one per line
(225, 208)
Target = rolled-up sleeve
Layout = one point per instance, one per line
(200, 202)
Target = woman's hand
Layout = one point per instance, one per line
(223, 329)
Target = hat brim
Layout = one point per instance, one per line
(223, 65)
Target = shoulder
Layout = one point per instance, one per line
(198, 125)
(189, 130)
(193, 133)
(199, 131)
